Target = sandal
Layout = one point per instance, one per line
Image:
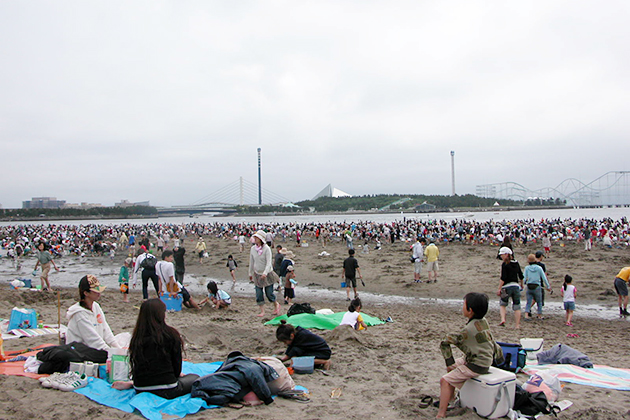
(425, 401)
(502, 324)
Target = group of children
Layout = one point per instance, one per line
(534, 280)
(168, 285)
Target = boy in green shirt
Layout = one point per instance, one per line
(477, 344)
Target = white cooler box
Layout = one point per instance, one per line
(490, 395)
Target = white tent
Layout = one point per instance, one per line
(329, 191)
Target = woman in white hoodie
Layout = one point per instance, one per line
(86, 320)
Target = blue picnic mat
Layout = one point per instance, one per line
(151, 406)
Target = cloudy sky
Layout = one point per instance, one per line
(168, 101)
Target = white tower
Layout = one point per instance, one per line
(453, 170)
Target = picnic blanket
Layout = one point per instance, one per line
(151, 406)
(321, 322)
(599, 376)
(16, 368)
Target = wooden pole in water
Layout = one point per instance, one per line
(59, 316)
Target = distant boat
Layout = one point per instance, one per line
(470, 215)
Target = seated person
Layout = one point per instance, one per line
(86, 320)
(302, 342)
(219, 298)
(353, 316)
(155, 355)
(476, 342)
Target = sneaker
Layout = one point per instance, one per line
(71, 385)
(46, 381)
(625, 312)
(62, 379)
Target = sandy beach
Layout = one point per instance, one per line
(382, 371)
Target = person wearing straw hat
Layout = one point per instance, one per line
(86, 320)
(261, 273)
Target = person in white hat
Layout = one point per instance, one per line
(262, 274)
(510, 286)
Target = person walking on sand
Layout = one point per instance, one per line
(45, 260)
(418, 258)
(348, 274)
(621, 286)
(432, 253)
(510, 286)
(200, 249)
(262, 274)
(569, 293)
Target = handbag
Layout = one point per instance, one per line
(532, 286)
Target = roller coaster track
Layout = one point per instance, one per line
(612, 188)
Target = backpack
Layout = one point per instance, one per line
(300, 308)
(531, 403)
(149, 262)
(514, 355)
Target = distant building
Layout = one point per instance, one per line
(425, 207)
(329, 191)
(43, 203)
(126, 203)
(82, 206)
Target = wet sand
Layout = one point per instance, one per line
(382, 371)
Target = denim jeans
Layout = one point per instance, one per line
(531, 295)
(260, 297)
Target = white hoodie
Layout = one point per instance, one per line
(89, 327)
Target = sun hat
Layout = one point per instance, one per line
(283, 251)
(261, 235)
(289, 254)
(505, 250)
(90, 282)
(290, 268)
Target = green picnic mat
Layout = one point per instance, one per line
(321, 322)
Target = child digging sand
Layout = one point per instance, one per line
(476, 342)
(302, 342)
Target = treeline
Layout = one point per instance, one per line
(369, 202)
(372, 202)
(122, 212)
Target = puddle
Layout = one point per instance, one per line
(73, 269)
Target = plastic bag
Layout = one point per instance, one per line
(546, 382)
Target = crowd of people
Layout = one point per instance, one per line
(155, 348)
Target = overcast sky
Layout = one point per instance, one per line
(168, 101)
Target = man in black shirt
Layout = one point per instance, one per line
(349, 273)
(180, 269)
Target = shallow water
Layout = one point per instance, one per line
(72, 269)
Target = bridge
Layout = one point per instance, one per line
(610, 189)
(226, 199)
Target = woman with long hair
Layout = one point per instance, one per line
(155, 355)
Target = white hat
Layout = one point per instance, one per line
(260, 235)
(505, 250)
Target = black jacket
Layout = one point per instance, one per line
(237, 376)
(58, 358)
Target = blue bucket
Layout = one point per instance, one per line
(343, 284)
(304, 364)
(172, 304)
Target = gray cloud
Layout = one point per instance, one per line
(168, 101)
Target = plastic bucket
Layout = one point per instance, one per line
(172, 304)
(532, 346)
(343, 284)
(304, 364)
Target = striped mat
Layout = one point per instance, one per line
(600, 376)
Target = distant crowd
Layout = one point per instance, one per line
(99, 239)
